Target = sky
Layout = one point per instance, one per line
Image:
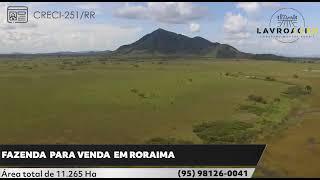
(118, 23)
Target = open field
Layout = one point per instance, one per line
(79, 100)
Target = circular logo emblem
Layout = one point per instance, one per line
(289, 24)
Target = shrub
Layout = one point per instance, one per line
(295, 76)
(268, 78)
(133, 90)
(225, 132)
(170, 140)
(308, 89)
(276, 99)
(312, 140)
(142, 95)
(258, 99)
(295, 91)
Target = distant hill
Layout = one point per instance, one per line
(162, 43)
(65, 53)
(71, 53)
(165, 43)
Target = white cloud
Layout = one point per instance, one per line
(254, 7)
(270, 4)
(194, 27)
(239, 30)
(235, 24)
(236, 31)
(249, 6)
(88, 5)
(60, 35)
(132, 12)
(98, 7)
(49, 36)
(164, 12)
(3, 9)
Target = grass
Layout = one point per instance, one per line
(255, 109)
(50, 100)
(47, 104)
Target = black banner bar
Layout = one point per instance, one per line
(184, 155)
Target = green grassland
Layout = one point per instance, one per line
(103, 101)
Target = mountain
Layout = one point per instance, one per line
(165, 43)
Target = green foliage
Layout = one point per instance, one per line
(276, 100)
(258, 99)
(268, 78)
(142, 95)
(170, 140)
(224, 132)
(133, 90)
(257, 110)
(297, 91)
(308, 89)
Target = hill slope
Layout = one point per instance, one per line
(165, 43)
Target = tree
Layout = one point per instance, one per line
(308, 88)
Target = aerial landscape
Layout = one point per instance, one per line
(89, 98)
(166, 87)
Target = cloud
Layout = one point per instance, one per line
(235, 26)
(49, 36)
(254, 7)
(132, 12)
(164, 12)
(249, 6)
(194, 27)
(98, 8)
(88, 6)
(3, 9)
